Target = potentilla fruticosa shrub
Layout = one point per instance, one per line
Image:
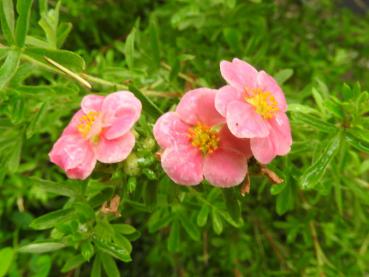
(168, 148)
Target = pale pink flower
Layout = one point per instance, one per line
(255, 108)
(99, 131)
(197, 144)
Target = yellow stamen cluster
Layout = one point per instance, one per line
(86, 123)
(264, 103)
(204, 138)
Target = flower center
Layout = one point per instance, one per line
(86, 123)
(204, 138)
(264, 103)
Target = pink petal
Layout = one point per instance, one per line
(92, 103)
(183, 164)
(170, 130)
(229, 141)
(71, 128)
(224, 96)
(280, 133)
(267, 83)
(238, 74)
(74, 155)
(263, 149)
(120, 111)
(244, 122)
(115, 150)
(198, 105)
(225, 168)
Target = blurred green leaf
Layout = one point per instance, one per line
(114, 250)
(6, 258)
(109, 265)
(24, 14)
(41, 247)
(283, 75)
(73, 263)
(314, 173)
(190, 228)
(51, 219)
(129, 48)
(66, 58)
(232, 203)
(217, 222)
(7, 20)
(9, 67)
(202, 216)
(174, 237)
(148, 105)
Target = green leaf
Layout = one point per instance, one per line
(174, 237)
(114, 250)
(202, 216)
(62, 33)
(314, 122)
(315, 172)
(232, 203)
(96, 267)
(65, 58)
(7, 20)
(66, 189)
(124, 229)
(41, 247)
(87, 250)
(24, 14)
(34, 125)
(283, 75)
(73, 263)
(190, 228)
(123, 242)
(217, 222)
(129, 48)
(51, 219)
(299, 108)
(9, 67)
(148, 105)
(109, 265)
(285, 200)
(6, 258)
(358, 138)
(154, 42)
(14, 159)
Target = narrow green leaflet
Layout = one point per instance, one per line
(232, 204)
(148, 105)
(155, 43)
(6, 258)
(114, 250)
(7, 20)
(283, 75)
(41, 247)
(96, 267)
(174, 237)
(51, 219)
(64, 188)
(24, 14)
(190, 228)
(109, 265)
(217, 222)
(65, 58)
(129, 48)
(9, 67)
(73, 263)
(314, 173)
(202, 216)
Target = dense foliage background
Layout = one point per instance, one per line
(314, 224)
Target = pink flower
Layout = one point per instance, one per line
(254, 107)
(197, 144)
(99, 131)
